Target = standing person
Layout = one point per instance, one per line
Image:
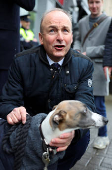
(35, 85)
(27, 37)
(96, 26)
(107, 58)
(9, 33)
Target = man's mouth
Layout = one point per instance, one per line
(59, 47)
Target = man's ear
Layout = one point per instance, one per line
(40, 38)
(72, 39)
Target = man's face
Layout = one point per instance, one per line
(25, 24)
(95, 6)
(57, 34)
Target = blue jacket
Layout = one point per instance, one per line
(32, 83)
(107, 58)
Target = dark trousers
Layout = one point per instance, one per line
(73, 153)
(101, 109)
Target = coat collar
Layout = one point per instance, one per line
(43, 57)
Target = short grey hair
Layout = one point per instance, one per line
(54, 9)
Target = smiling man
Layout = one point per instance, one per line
(43, 76)
(92, 34)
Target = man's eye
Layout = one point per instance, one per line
(65, 31)
(51, 30)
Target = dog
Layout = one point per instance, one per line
(67, 116)
(70, 115)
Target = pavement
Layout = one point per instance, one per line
(95, 159)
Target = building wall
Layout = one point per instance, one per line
(108, 7)
(42, 7)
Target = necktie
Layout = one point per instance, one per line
(55, 66)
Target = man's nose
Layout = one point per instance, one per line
(60, 36)
(94, 5)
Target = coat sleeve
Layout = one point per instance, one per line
(12, 93)
(107, 58)
(95, 51)
(26, 4)
(84, 92)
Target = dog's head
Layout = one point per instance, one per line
(73, 114)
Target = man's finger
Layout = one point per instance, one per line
(62, 148)
(23, 114)
(9, 120)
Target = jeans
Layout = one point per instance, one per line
(101, 109)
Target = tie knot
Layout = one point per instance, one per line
(55, 66)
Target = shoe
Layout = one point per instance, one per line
(101, 142)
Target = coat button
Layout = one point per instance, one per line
(75, 87)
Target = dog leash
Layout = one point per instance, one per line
(48, 150)
(20, 141)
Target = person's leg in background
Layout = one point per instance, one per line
(102, 140)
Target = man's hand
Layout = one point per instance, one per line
(63, 141)
(17, 115)
(84, 53)
(105, 71)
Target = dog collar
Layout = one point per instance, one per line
(48, 150)
(46, 147)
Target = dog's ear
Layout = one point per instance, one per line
(54, 107)
(58, 118)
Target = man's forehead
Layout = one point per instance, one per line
(59, 26)
(95, 0)
(56, 16)
(60, 19)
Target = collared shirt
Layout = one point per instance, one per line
(51, 61)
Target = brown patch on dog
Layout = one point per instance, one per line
(67, 115)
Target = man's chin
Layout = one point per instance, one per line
(59, 54)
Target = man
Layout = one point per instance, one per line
(9, 33)
(35, 85)
(27, 39)
(93, 47)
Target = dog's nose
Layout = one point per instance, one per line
(105, 120)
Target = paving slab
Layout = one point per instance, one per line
(96, 159)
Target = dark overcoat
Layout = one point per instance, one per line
(9, 31)
(107, 58)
